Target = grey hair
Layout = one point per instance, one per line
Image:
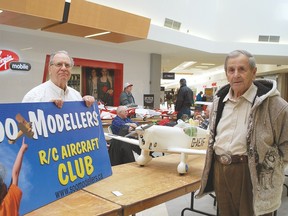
(60, 52)
(121, 109)
(236, 53)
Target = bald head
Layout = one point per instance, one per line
(122, 112)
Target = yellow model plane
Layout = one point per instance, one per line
(25, 128)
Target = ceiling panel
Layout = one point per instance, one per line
(86, 18)
(32, 14)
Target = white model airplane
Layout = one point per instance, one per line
(184, 140)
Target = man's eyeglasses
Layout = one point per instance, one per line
(59, 65)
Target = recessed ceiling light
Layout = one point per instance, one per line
(187, 64)
(98, 34)
(202, 66)
(1, 11)
(208, 64)
(27, 48)
(183, 65)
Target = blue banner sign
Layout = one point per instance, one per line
(65, 150)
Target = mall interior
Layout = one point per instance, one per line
(150, 44)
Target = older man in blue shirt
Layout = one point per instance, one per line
(122, 121)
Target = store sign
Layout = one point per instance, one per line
(62, 150)
(166, 75)
(7, 56)
(23, 66)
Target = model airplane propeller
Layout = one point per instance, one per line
(184, 140)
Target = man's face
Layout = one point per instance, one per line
(239, 74)
(123, 114)
(60, 70)
(129, 89)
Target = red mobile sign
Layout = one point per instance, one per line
(7, 56)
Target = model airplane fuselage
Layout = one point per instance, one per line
(186, 140)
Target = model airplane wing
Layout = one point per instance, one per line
(124, 139)
(187, 151)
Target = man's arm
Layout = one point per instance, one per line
(117, 124)
(179, 100)
(18, 162)
(124, 99)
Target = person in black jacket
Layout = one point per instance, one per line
(184, 100)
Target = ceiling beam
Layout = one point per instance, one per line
(32, 14)
(86, 18)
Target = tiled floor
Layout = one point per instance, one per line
(174, 207)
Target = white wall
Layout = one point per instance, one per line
(15, 84)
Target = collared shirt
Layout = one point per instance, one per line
(47, 91)
(232, 127)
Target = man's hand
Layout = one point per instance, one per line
(89, 100)
(58, 102)
(134, 125)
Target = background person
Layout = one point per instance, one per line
(184, 100)
(56, 88)
(122, 120)
(169, 99)
(126, 97)
(199, 96)
(119, 151)
(105, 87)
(92, 84)
(204, 119)
(248, 146)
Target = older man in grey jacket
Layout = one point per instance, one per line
(248, 145)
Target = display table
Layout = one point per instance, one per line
(151, 185)
(107, 122)
(79, 203)
(141, 188)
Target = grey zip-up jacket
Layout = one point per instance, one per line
(267, 145)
